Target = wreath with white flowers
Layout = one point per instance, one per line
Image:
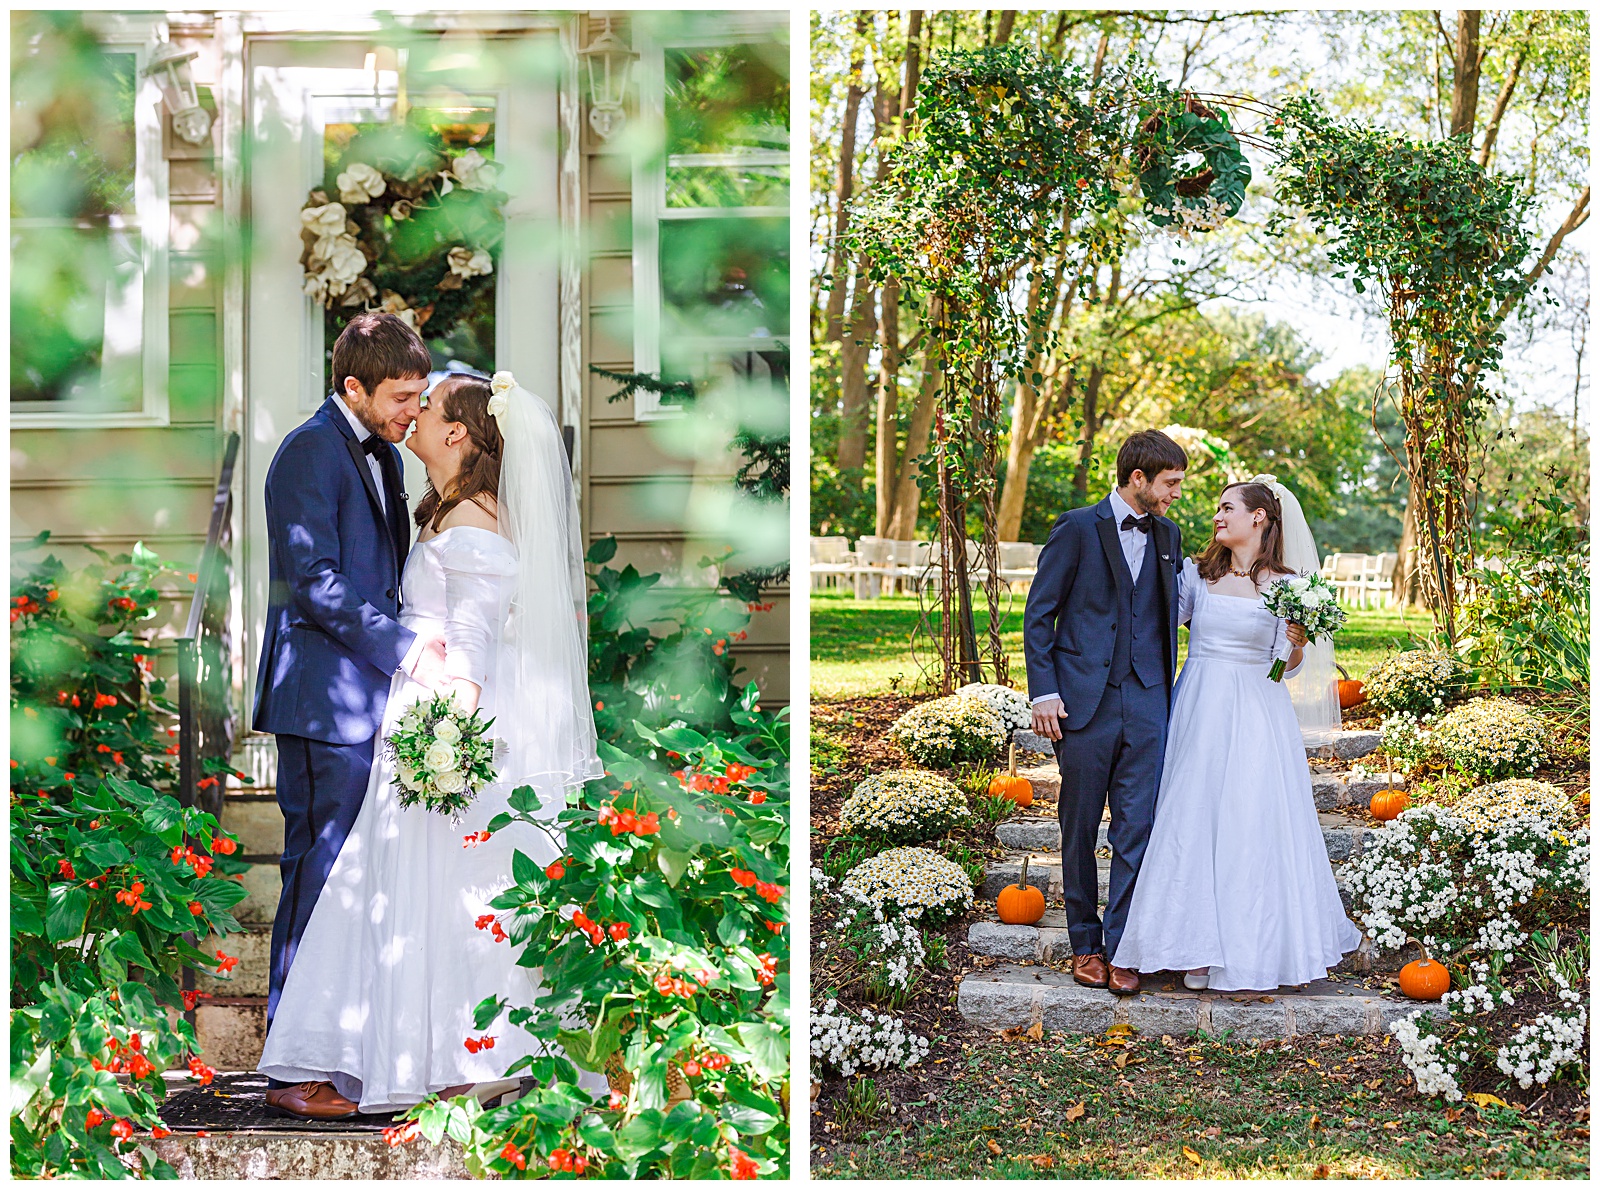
(1183, 201)
(405, 225)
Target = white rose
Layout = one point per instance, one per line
(473, 170)
(447, 731)
(470, 262)
(440, 757)
(360, 183)
(451, 782)
(410, 778)
(1313, 598)
(324, 221)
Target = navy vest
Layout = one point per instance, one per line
(1141, 646)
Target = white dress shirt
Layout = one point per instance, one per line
(414, 654)
(1133, 546)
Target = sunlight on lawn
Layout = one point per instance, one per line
(863, 647)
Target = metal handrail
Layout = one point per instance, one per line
(211, 560)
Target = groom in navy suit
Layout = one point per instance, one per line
(338, 533)
(1101, 638)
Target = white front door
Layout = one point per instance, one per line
(299, 85)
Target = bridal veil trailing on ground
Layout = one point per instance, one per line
(543, 712)
(1313, 690)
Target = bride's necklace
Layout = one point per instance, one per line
(1237, 573)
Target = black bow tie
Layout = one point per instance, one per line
(1141, 523)
(373, 445)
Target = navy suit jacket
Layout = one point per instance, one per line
(1074, 608)
(333, 639)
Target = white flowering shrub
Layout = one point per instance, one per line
(1487, 806)
(867, 941)
(906, 806)
(914, 880)
(1418, 680)
(1434, 876)
(848, 1041)
(1471, 888)
(1490, 737)
(1407, 740)
(949, 731)
(1012, 706)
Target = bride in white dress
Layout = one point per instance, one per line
(1236, 877)
(380, 998)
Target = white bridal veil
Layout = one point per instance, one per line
(1314, 688)
(541, 679)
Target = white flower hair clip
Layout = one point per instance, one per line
(502, 383)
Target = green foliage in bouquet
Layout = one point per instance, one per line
(110, 877)
(441, 755)
(661, 930)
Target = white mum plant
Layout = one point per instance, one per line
(847, 1041)
(913, 879)
(1490, 737)
(907, 806)
(1417, 680)
(949, 731)
(1012, 706)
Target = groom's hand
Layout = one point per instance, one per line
(429, 669)
(1047, 717)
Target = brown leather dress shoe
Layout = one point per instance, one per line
(1089, 970)
(310, 1101)
(1123, 981)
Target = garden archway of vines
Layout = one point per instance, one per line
(1014, 165)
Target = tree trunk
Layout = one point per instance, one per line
(887, 440)
(1468, 62)
(846, 189)
(1008, 19)
(1013, 497)
(855, 393)
(902, 523)
(1091, 401)
(1407, 583)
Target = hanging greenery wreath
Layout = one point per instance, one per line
(404, 224)
(1199, 199)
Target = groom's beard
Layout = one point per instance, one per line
(1144, 503)
(364, 416)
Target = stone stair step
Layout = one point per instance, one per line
(264, 883)
(231, 1031)
(1349, 744)
(306, 1156)
(253, 949)
(258, 822)
(1340, 834)
(1044, 873)
(1011, 996)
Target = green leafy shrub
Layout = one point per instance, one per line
(662, 930)
(904, 807)
(109, 876)
(948, 731)
(1490, 737)
(1417, 680)
(1527, 624)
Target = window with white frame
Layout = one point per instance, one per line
(88, 228)
(711, 209)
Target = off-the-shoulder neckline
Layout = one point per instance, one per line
(472, 528)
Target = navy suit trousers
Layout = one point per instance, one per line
(1117, 755)
(320, 790)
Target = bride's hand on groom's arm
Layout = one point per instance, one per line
(429, 669)
(466, 694)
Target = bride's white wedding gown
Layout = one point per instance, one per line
(1236, 875)
(380, 995)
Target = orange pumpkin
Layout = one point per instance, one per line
(1020, 904)
(1351, 692)
(1386, 804)
(1009, 785)
(1424, 979)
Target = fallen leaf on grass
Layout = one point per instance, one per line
(1191, 1154)
(1120, 1060)
(1392, 1124)
(1453, 1113)
(1482, 1099)
(1119, 1031)
(1315, 1120)
(1075, 1112)
(994, 1148)
(1320, 1172)
(1213, 1132)
(1314, 1062)
(1372, 1084)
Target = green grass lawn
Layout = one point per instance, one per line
(1188, 1107)
(864, 647)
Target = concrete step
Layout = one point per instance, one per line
(251, 976)
(1044, 873)
(258, 822)
(263, 881)
(1011, 996)
(1341, 834)
(1342, 745)
(231, 1031)
(308, 1156)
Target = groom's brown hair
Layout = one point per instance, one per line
(378, 347)
(1151, 452)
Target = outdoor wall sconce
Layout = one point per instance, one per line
(608, 86)
(169, 66)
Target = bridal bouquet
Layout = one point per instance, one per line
(1308, 600)
(441, 755)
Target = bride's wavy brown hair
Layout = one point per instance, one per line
(1217, 558)
(465, 399)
